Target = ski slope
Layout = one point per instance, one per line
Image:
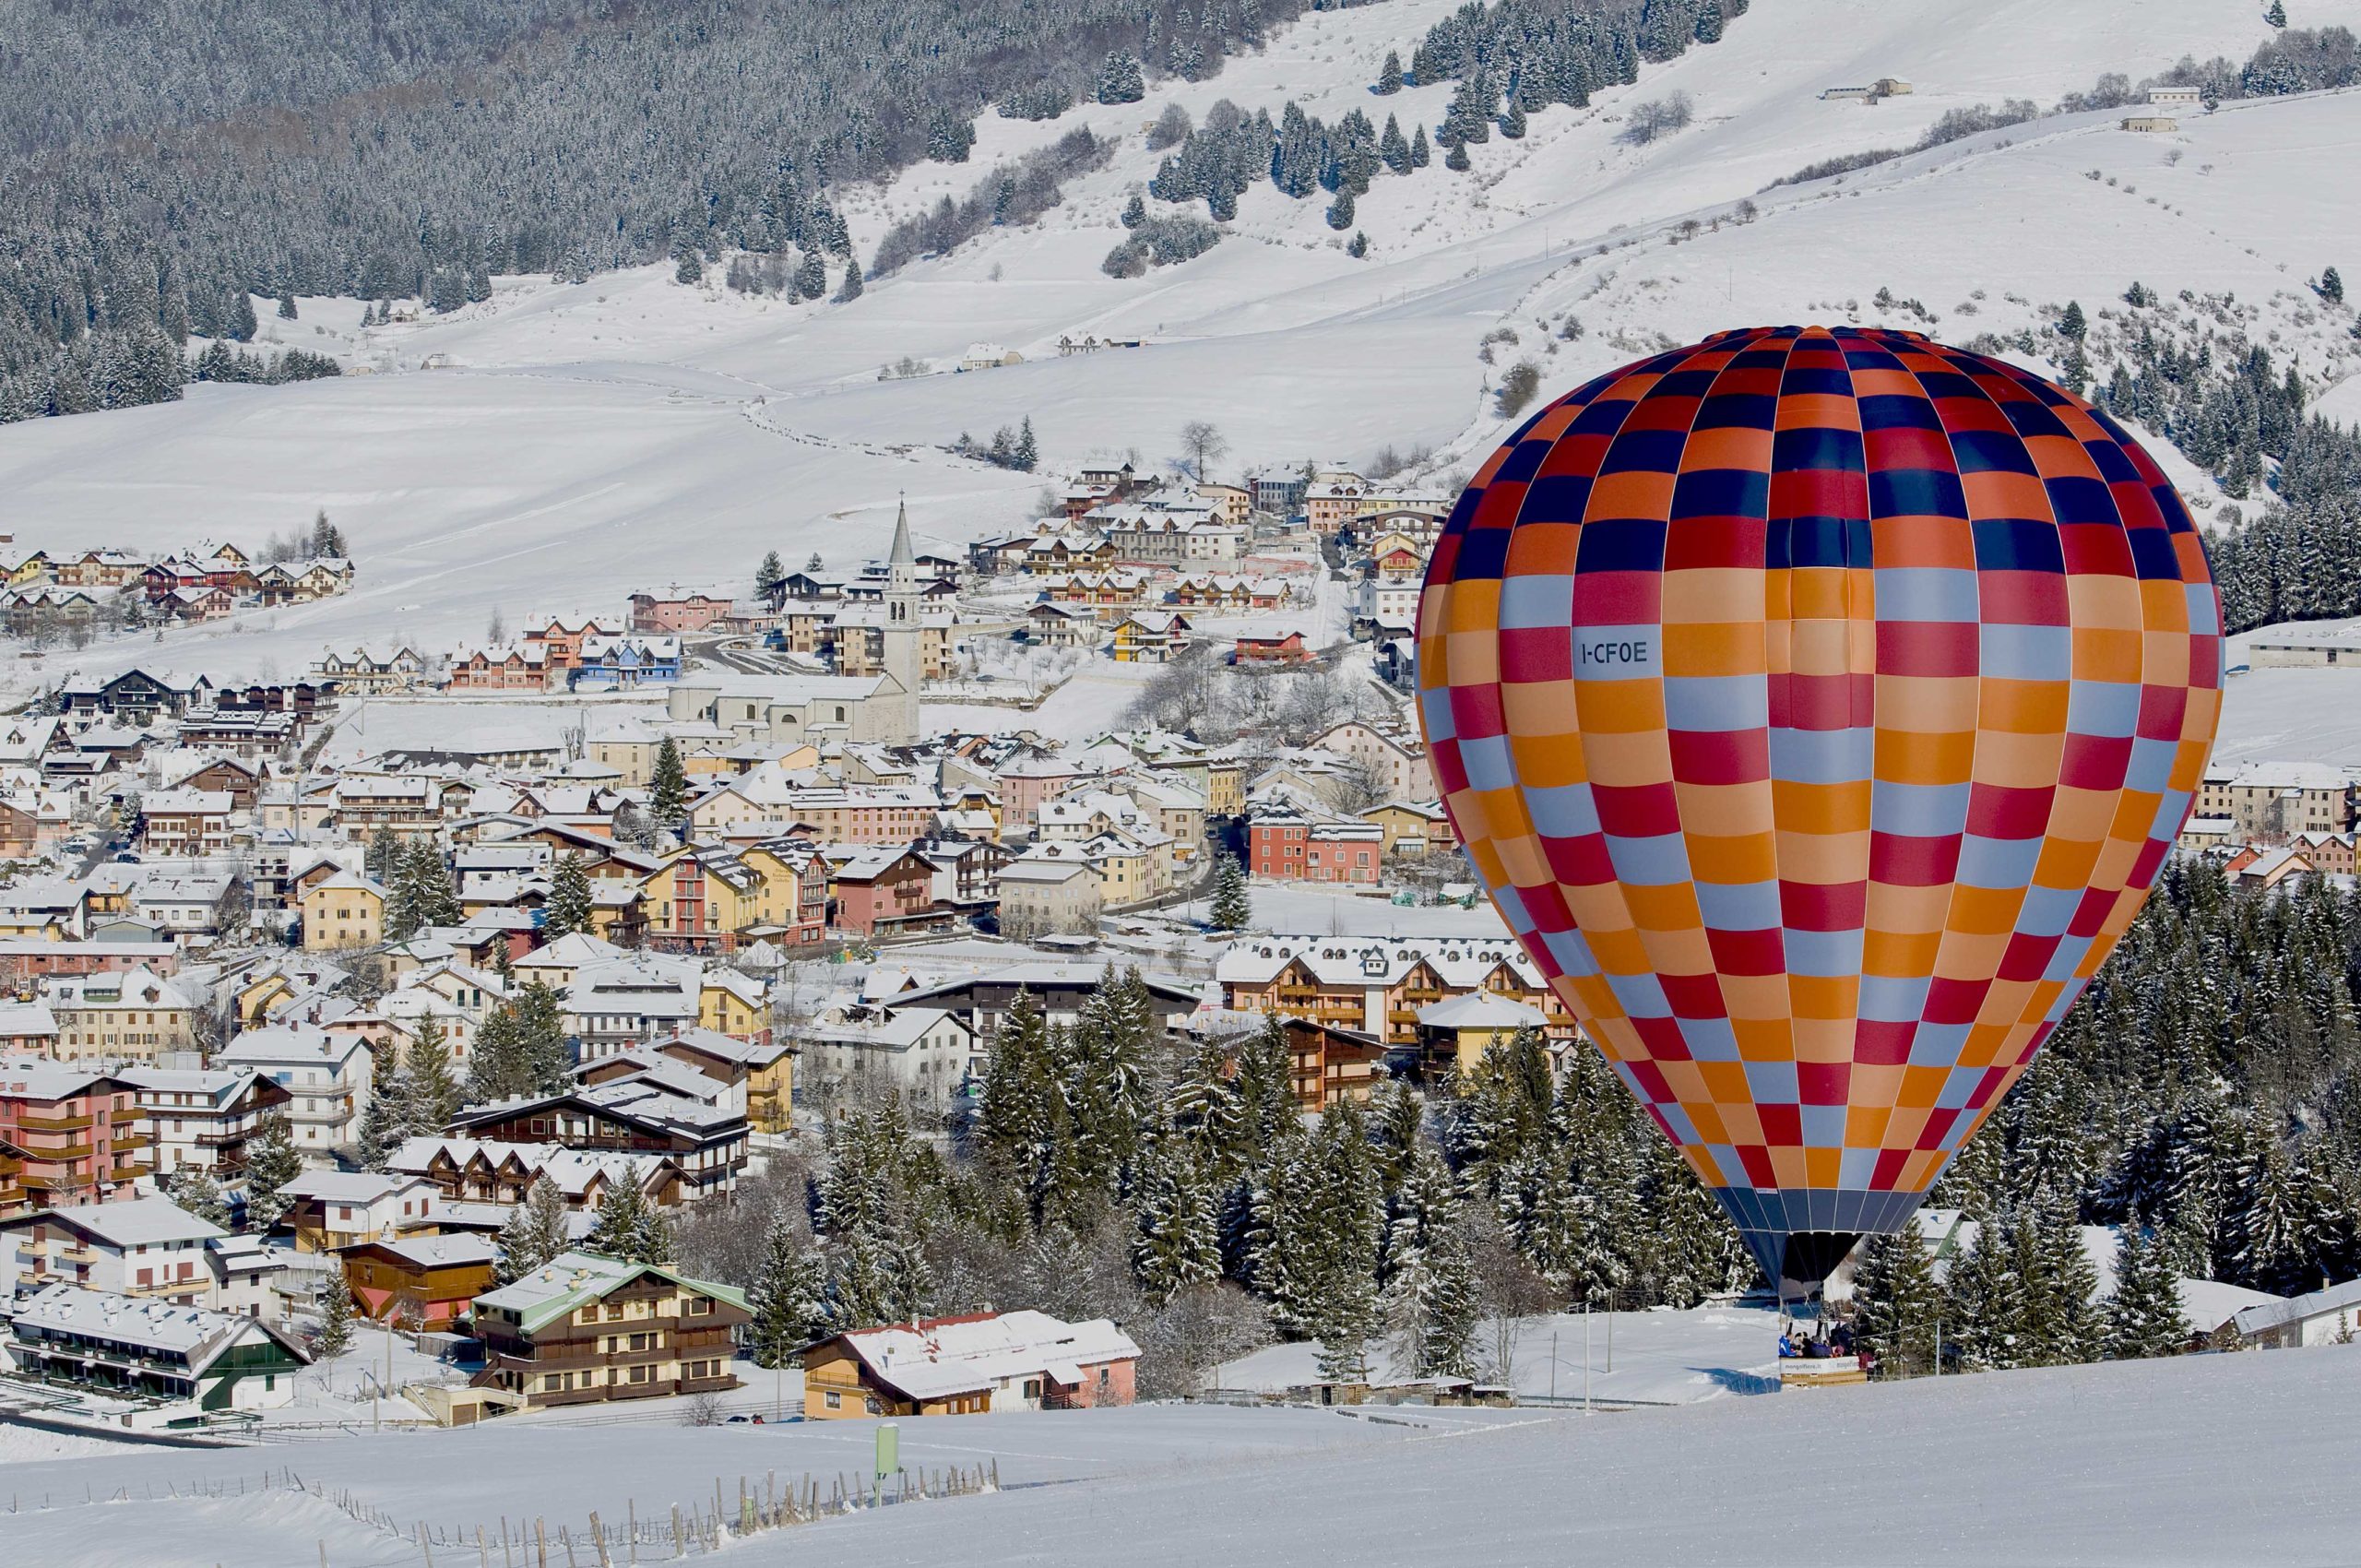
(556, 447)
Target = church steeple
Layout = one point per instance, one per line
(902, 555)
(898, 701)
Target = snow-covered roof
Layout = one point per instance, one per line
(1478, 1010)
(2339, 1300)
(939, 1357)
(441, 1252)
(190, 1334)
(572, 1278)
(1459, 962)
(136, 1222)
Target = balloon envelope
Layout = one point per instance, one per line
(1819, 706)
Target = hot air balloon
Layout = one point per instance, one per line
(1819, 706)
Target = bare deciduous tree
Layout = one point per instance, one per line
(1203, 443)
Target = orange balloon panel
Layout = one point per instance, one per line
(1812, 699)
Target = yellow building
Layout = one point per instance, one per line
(263, 996)
(344, 910)
(1127, 870)
(706, 893)
(1413, 826)
(1454, 1033)
(730, 1004)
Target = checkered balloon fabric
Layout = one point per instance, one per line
(1818, 706)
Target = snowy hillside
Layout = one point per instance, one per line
(2238, 1459)
(570, 443)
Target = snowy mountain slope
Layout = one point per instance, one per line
(583, 440)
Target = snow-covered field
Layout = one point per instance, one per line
(2212, 1459)
(574, 441)
(1668, 1358)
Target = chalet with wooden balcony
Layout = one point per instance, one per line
(585, 1328)
(708, 1142)
(480, 1170)
(1378, 985)
(427, 1281)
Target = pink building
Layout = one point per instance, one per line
(1027, 786)
(678, 612)
(24, 958)
(68, 1135)
(879, 891)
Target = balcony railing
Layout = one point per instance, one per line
(53, 1123)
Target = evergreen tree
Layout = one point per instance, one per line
(1318, 1220)
(1014, 1124)
(629, 1228)
(2332, 286)
(853, 284)
(1232, 906)
(388, 1117)
(542, 1058)
(2072, 325)
(1512, 121)
(788, 1297)
(877, 1267)
(243, 324)
(537, 1230)
(286, 304)
(1340, 211)
(1297, 157)
(2277, 15)
(2143, 1315)
(2059, 1325)
(1430, 1300)
(272, 1161)
(1456, 160)
(667, 789)
(810, 277)
(1120, 80)
(770, 579)
(949, 137)
(194, 1189)
(1359, 246)
(434, 1095)
(1984, 1298)
(1265, 1090)
(497, 1068)
(421, 893)
(336, 1318)
(1389, 77)
(1176, 1237)
(1897, 1303)
(1420, 153)
(1026, 452)
(568, 907)
(1391, 149)
(1134, 211)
